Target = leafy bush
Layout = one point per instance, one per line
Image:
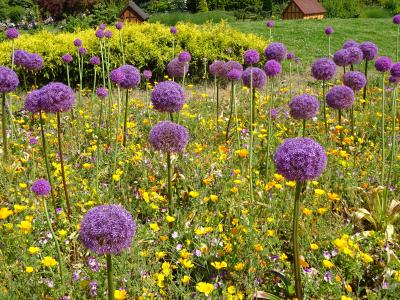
(15, 13)
(198, 18)
(392, 5)
(376, 13)
(343, 8)
(146, 46)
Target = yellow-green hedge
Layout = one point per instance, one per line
(146, 46)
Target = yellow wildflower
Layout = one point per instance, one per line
(239, 266)
(33, 250)
(327, 264)
(219, 265)
(4, 213)
(185, 279)
(205, 288)
(25, 227)
(314, 247)
(120, 294)
(29, 270)
(48, 261)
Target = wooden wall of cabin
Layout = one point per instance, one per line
(293, 12)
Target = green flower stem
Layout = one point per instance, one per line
(237, 122)
(60, 265)
(251, 138)
(110, 282)
(173, 47)
(290, 79)
(170, 200)
(94, 80)
(366, 84)
(117, 131)
(324, 105)
(80, 66)
(126, 117)
(340, 123)
(231, 109)
(383, 131)
(296, 250)
(12, 54)
(4, 127)
(397, 43)
(62, 165)
(304, 128)
(121, 41)
(46, 160)
(352, 119)
(329, 45)
(68, 80)
(103, 73)
(269, 131)
(217, 87)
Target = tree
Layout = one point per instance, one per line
(267, 5)
(202, 7)
(191, 5)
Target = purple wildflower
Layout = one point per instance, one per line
(270, 24)
(34, 62)
(147, 74)
(101, 92)
(290, 56)
(259, 77)
(33, 101)
(184, 57)
(173, 30)
(67, 58)
(93, 288)
(355, 55)
(176, 68)
(108, 34)
(217, 68)
(131, 76)
(168, 96)
(78, 43)
(12, 33)
(341, 57)
(396, 19)
(119, 25)
(340, 97)
(303, 107)
(350, 43)
(117, 76)
(41, 187)
(102, 26)
(99, 33)
(323, 69)
(300, 159)
(57, 97)
(383, 64)
(251, 57)
(82, 50)
(272, 68)
(169, 137)
(234, 75)
(369, 50)
(20, 57)
(394, 79)
(275, 51)
(395, 70)
(354, 80)
(8, 80)
(95, 60)
(329, 30)
(232, 65)
(93, 264)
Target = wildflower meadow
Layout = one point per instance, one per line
(140, 161)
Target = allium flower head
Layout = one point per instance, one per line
(34, 62)
(350, 43)
(147, 74)
(304, 107)
(82, 50)
(270, 23)
(131, 76)
(173, 30)
(169, 137)
(341, 57)
(217, 68)
(33, 101)
(369, 50)
(57, 97)
(8, 80)
(259, 77)
(272, 68)
(383, 64)
(300, 159)
(67, 58)
(119, 25)
(99, 33)
(20, 57)
(354, 80)
(95, 60)
(117, 76)
(232, 65)
(329, 30)
(275, 51)
(323, 69)
(101, 92)
(394, 79)
(107, 229)
(78, 43)
(168, 96)
(395, 70)
(396, 19)
(12, 33)
(251, 57)
(184, 57)
(290, 56)
(234, 75)
(340, 97)
(176, 68)
(355, 55)
(102, 26)
(41, 187)
(108, 34)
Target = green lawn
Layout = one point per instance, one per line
(306, 38)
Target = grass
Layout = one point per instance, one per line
(307, 40)
(199, 18)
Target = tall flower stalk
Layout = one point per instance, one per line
(4, 126)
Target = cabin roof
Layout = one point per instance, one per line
(309, 7)
(132, 5)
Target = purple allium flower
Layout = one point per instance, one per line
(34, 62)
(395, 70)
(340, 97)
(341, 57)
(354, 80)
(117, 76)
(147, 74)
(20, 57)
(131, 77)
(184, 57)
(12, 33)
(99, 33)
(259, 77)
(82, 50)
(350, 43)
(169, 137)
(290, 56)
(67, 58)
(33, 101)
(57, 97)
(232, 65)
(176, 68)
(41, 187)
(304, 107)
(78, 43)
(275, 51)
(323, 69)
(270, 24)
(102, 26)
(300, 159)
(119, 25)
(173, 30)
(95, 60)
(329, 30)
(394, 79)
(383, 64)
(234, 75)
(217, 68)
(251, 57)
(369, 50)
(8, 80)
(396, 19)
(108, 34)
(168, 96)
(107, 229)
(101, 92)
(355, 55)
(272, 68)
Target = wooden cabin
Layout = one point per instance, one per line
(304, 9)
(133, 13)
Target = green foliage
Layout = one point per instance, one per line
(15, 13)
(267, 5)
(342, 8)
(392, 5)
(376, 13)
(106, 14)
(198, 18)
(203, 7)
